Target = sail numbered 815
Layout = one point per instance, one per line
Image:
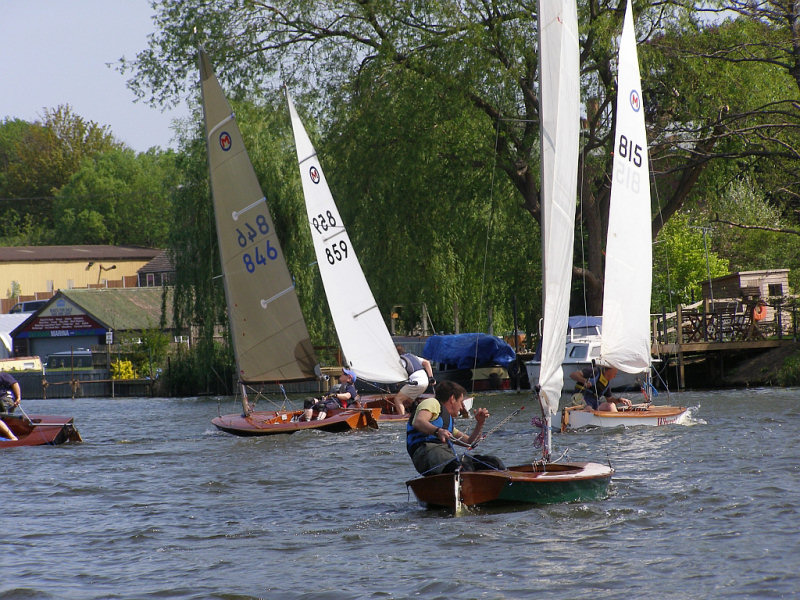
(627, 170)
(261, 251)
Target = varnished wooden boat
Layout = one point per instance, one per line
(577, 417)
(259, 423)
(385, 402)
(549, 483)
(40, 430)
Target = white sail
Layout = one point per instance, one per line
(367, 346)
(268, 332)
(559, 94)
(629, 264)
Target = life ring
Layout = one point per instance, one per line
(759, 312)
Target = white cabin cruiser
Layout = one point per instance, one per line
(582, 347)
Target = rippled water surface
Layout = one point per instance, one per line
(157, 504)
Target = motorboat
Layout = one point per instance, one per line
(584, 337)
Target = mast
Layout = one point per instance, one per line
(559, 94)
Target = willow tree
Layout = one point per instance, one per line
(485, 54)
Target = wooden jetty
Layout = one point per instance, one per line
(713, 330)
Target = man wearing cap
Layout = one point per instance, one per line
(346, 394)
(342, 396)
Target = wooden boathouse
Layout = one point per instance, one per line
(741, 314)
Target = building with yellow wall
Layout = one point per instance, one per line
(40, 271)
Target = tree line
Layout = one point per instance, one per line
(425, 117)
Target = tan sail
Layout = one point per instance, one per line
(270, 337)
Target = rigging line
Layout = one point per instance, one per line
(496, 427)
(488, 233)
(666, 260)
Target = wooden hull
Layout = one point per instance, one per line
(524, 484)
(388, 414)
(385, 404)
(286, 422)
(41, 430)
(575, 417)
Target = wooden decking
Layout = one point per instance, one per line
(723, 327)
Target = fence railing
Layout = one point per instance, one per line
(728, 320)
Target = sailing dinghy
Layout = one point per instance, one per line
(625, 342)
(363, 336)
(543, 481)
(269, 335)
(39, 430)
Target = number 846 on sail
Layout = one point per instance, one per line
(249, 235)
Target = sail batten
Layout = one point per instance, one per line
(214, 129)
(628, 275)
(364, 338)
(269, 345)
(560, 130)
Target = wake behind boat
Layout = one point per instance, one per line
(268, 333)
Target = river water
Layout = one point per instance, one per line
(157, 504)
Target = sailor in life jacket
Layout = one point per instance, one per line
(594, 384)
(420, 375)
(341, 395)
(430, 433)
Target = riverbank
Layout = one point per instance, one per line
(760, 370)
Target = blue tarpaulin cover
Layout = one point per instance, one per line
(467, 350)
(584, 321)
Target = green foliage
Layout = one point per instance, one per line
(679, 265)
(411, 167)
(789, 373)
(205, 368)
(40, 157)
(199, 298)
(14, 291)
(117, 198)
(753, 249)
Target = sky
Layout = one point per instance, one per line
(55, 52)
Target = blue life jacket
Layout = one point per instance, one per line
(600, 387)
(415, 438)
(412, 363)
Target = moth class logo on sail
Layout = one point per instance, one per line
(636, 101)
(314, 174)
(225, 141)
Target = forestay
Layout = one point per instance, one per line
(628, 275)
(269, 335)
(362, 332)
(560, 122)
